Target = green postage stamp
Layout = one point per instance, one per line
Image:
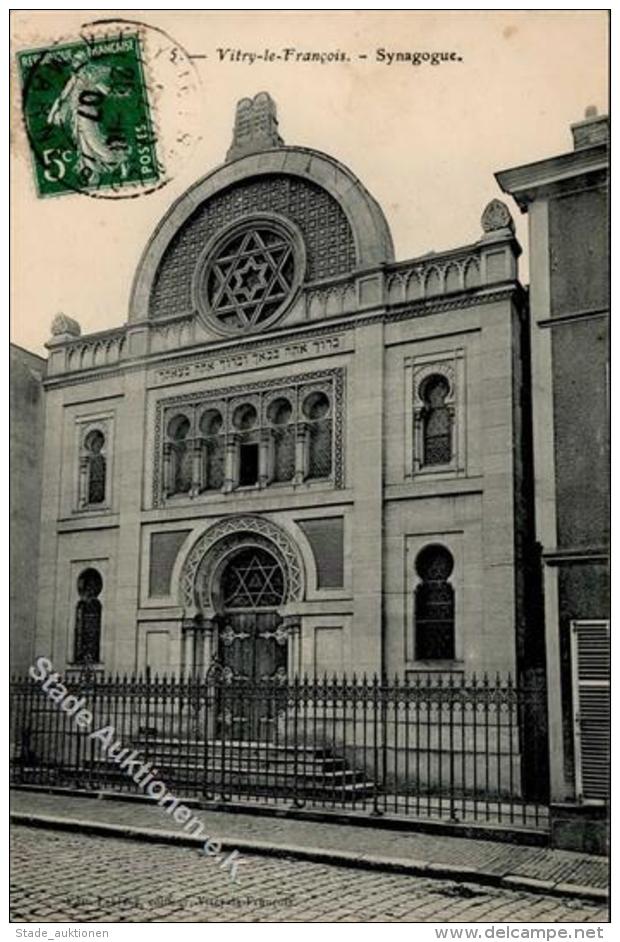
(87, 117)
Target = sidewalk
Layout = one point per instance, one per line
(514, 866)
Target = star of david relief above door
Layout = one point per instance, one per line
(250, 274)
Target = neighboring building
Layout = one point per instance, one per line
(27, 371)
(298, 454)
(566, 199)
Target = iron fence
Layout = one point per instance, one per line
(430, 746)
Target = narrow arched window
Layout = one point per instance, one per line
(87, 641)
(94, 445)
(212, 430)
(180, 473)
(434, 605)
(436, 421)
(317, 411)
(245, 422)
(280, 416)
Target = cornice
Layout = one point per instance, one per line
(527, 182)
(402, 311)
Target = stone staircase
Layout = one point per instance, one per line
(238, 767)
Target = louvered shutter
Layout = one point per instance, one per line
(591, 705)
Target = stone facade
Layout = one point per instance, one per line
(567, 203)
(27, 371)
(283, 385)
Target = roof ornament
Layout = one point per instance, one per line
(65, 327)
(496, 216)
(256, 126)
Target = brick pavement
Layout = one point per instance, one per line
(69, 877)
(480, 860)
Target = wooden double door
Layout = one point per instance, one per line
(253, 653)
(252, 644)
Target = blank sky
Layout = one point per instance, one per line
(424, 140)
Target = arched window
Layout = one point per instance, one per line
(317, 411)
(280, 415)
(434, 605)
(180, 470)
(94, 445)
(212, 429)
(437, 421)
(87, 643)
(245, 421)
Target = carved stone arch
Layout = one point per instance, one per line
(396, 289)
(86, 356)
(414, 286)
(73, 358)
(111, 350)
(316, 304)
(333, 304)
(232, 533)
(349, 299)
(471, 273)
(453, 279)
(433, 282)
(440, 368)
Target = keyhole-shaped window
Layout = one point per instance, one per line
(211, 427)
(317, 411)
(180, 455)
(94, 445)
(280, 415)
(87, 645)
(437, 421)
(434, 605)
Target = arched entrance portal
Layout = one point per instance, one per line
(252, 644)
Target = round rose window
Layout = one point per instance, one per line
(249, 276)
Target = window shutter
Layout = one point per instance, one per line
(591, 707)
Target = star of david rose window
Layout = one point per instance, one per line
(249, 275)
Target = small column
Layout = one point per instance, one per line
(209, 643)
(453, 432)
(198, 479)
(301, 453)
(292, 626)
(167, 470)
(83, 483)
(230, 464)
(187, 645)
(418, 437)
(197, 644)
(265, 458)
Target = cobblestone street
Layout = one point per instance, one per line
(59, 877)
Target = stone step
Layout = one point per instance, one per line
(230, 745)
(266, 772)
(248, 760)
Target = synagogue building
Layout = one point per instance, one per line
(299, 454)
(308, 483)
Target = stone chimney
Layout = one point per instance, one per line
(256, 126)
(594, 129)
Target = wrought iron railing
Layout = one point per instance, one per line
(431, 746)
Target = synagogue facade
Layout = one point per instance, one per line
(298, 454)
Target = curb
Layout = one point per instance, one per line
(404, 866)
(473, 830)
